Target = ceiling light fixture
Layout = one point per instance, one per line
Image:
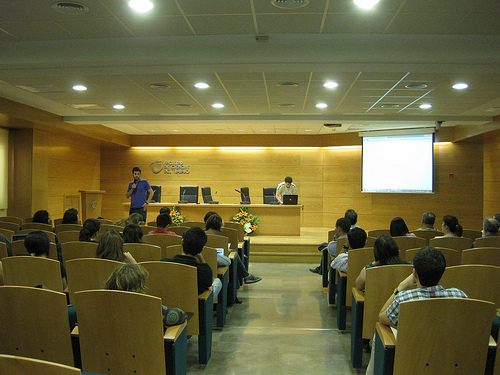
(288, 84)
(141, 6)
(218, 105)
(425, 106)
(416, 86)
(159, 86)
(286, 105)
(390, 105)
(118, 106)
(79, 88)
(366, 4)
(460, 86)
(289, 4)
(201, 85)
(70, 7)
(321, 105)
(330, 84)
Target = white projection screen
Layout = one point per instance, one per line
(397, 164)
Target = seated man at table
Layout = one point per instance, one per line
(193, 240)
(162, 223)
(356, 239)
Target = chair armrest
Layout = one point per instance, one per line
(241, 244)
(173, 332)
(358, 295)
(204, 296)
(222, 270)
(386, 335)
(74, 332)
(342, 274)
(232, 255)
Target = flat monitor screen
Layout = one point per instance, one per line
(397, 164)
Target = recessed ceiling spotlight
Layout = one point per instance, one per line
(366, 4)
(154, 130)
(70, 7)
(330, 84)
(196, 130)
(416, 86)
(321, 105)
(201, 85)
(175, 130)
(288, 84)
(241, 130)
(263, 130)
(79, 88)
(390, 105)
(141, 6)
(308, 130)
(425, 106)
(118, 106)
(460, 86)
(218, 105)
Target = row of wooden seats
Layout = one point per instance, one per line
(471, 234)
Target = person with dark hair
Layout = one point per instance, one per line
(385, 252)
(137, 191)
(135, 218)
(490, 227)
(165, 210)
(41, 216)
(342, 227)
(451, 227)
(285, 188)
(356, 239)
(70, 216)
(132, 278)
(132, 233)
(90, 230)
(193, 240)
(428, 220)
(399, 228)
(111, 247)
(162, 223)
(353, 217)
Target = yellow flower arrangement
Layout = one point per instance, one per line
(250, 222)
(176, 216)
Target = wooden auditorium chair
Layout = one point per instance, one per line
(405, 243)
(12, 219)
(10, 226)
(122, 333)
(491, 241)
(50, 234)
(482, 255)
(210, 256)
(37, 226)
(162, 240)
(11, 364)
(106, 227)
(333, 278)
(457, 243)
(199, 224)
(378, 232)
(148, 228)
(18, 248)
(143, 252)
(244, 242)
(452, 256)
(7, 233)
(65, 227)
(177, 286)
(3, 250)
(379, 285)
(78, 249)
(88, 274)
(472, 233)
(32, 271)
(427, 234)
(35, 324)
(105, 221)
(436, 336)
(178, 230)
(68, 236)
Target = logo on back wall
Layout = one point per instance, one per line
(169, 167)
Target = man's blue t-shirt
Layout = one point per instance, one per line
(138, 198)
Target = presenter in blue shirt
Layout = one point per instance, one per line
(141, 194)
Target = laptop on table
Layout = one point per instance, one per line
(290, 199)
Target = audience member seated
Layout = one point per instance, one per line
(132, 233)
(353, 217)
(490, 228)
(70, 216)
(451, 227)
(132, 278)
(41, 216)
(429, 265)
(399, 228)
(111, 247)
(428, 220)
(213, 225)
(356, 239)
(193, 240)
(90, 230)
(134, 218)
(162, 223)
(385, 252)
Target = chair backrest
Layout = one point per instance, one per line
(65, 227)
(68, 236)
(370, 241)
(10, 226)
(378, 232)
(37, 226)
(476, 280)
(232, 235)
(380, 284)
(358, 259)
(177, 286)
(331, 235)
(491, 241)
(120, 331)
(178, 230)
(57, 221)
(429, 345)
(3, 250)
(452, 256)
(269, 195)
(427, 233)
(11, 364)
(471, 233)
(206, 193)
(482, 255)
(88, 274)
(78, 249)
(106, 227)
(190, 224)
(12, 219)
(162, 240)
(188, 193)
(51, 235)
(7, 233)
(31, 271)
(245, 195)
(35, 324)
(105, 221)
(218, 242)
(17, 248)
(210, 256)
(173, 250)
(457, 243)
(405, 243)
(143, 252)
(148, 228)
(239, 228)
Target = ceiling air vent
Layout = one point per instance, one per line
(289, 4)
(70, 7)
(159, 86)
(390, 106)
(287, 84)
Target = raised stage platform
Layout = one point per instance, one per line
(289, 249)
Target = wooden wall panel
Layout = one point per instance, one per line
(491, 161)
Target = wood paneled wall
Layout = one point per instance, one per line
(491, 173)
(328, 181)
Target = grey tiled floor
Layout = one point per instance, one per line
(283, 326)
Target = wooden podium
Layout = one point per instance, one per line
(91, 203)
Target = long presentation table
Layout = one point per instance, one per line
(275, 220)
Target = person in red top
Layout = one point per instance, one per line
(162, 223)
